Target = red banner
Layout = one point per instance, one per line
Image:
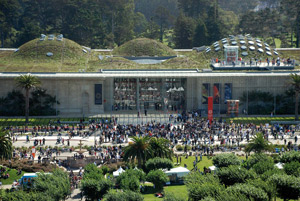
(210, 109)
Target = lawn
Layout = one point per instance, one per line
(179, 191)
(12, 176)
(258, 120)
(206, 162)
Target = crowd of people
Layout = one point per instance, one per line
(187, 129)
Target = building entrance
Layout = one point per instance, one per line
(151, 94)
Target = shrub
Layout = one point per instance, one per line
(287, 186)
(290, 156)
(92, 172)
(256, 158)
(130, 179)
(200, 191)
(95, 189)
(267, 186)
(124, 196)
(56, 185)
(225, 160)
(292, 168)
(159, 163)
(104, 169)
(234, 174)
(201, 186)
(266, 175)
(263, 166)
(158, 178)
(248, 190)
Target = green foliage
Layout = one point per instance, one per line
(201, 186)
(143, 47)
(124, 196)
(26, 196)
(248, 190)
(5, 145)
(159, 163)
(290, 156)
(265, 176)
(287, 186)
(130, 179)
(130, 183)
(184, 32)
(95, 189)
(55, 185)
(40, 103)
(263, 166)
(256, 158)
(198, 192)
(292, 168)
(225, 160)
(138, 149)
(234, 174)
(92, 172)
(104, 169)
(160, 147)
(158, 178)
(258, 144)
(267, 186)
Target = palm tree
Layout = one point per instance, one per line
(27, 82)
(258, 144)
(160, 148)
(5, 145)
(295, 83)
(138, 149)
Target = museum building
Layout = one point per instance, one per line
(151, 90)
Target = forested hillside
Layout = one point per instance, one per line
(177, 23)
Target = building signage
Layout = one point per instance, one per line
(98, 94)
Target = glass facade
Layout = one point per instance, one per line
(149, 94)
(125, 94)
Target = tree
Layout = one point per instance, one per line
(124, 196)
(55, 185)
(158, 163)
(27, 82)
(252, 192)
(201, 186)
(234, 174)
(292, 168)
(201, 35)
(164, 18)
(130, 179)
(160, 147)
(184, 31)
(225, 160)
(138, 150)
(158, 178)
(95, 189)
(258, 144)
(92, 172)
(295, 83)
(290, 156)
(288, 187)
(5, 145)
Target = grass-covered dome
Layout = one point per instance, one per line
(37, 49)
(143, 47)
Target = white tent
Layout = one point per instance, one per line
(118, 172)
(179, 171)
(212, 168)
(279, 165)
